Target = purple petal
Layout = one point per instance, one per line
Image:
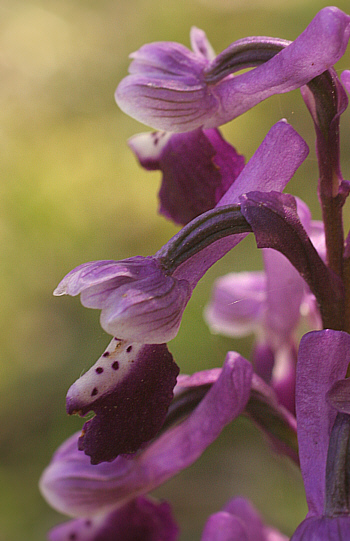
(129, 389)
(139, 302)
(223, 526)
(239, 521)
(238, 303)
(323, 529)
(345, 79)
(76, 488)
(200, 44)
(142, 519)
(272, 165)
(198, 167)
(322, 360)
(167, 88)
(285, 291)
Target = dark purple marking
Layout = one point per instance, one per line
(99, 370)
(133, 411)
(88, 523)
(115, 365)
(128, 349)
(72, 536)
(94, 391)
(106, 354)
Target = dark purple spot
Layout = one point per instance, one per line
(72, 536)
(115, 365)
(99, 370)
(128, 349)
(119, 339)
(88, 523)
(106, 354)
(94, 391)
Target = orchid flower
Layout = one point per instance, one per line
(173, 89)
(112, 493)
(142, 301)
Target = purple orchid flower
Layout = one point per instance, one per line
(106, 496)
(173, 89)
(198, 166)
(270, 305)
(323, 436)
(142, 301)
(239, 521)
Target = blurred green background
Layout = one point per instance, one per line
(71, 192)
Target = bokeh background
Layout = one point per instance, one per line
(71, 191)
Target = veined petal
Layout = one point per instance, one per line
(323, 359)
(167, 88)
(198, 168)
(142, 518)
(139, 302)
(129, 389)
(75, 487)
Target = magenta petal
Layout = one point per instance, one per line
(75, 487)
(322, 360)
(141, 519)
(198, 167)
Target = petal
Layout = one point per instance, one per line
(142, 518)
(285, 291)
(272, 165)
(167, 88)
(238, 303)
(223, 526)
(129, 389)
(239, 521)
(74, 487)
(200, 44)
(323, 529)
(322, 360)
(198, 167)
(345, 79)
(139, 302)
